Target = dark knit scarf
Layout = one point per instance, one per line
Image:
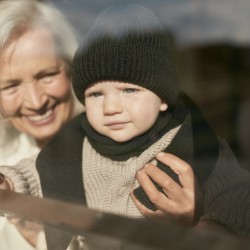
(60, 163)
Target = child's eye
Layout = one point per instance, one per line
(130, 90)
(94, 94)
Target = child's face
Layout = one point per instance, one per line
(121, 111)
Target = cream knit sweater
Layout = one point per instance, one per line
(107, 183)
(227, 185)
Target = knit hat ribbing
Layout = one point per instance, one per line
(127, 43)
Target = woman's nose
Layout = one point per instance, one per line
(34, 96)
(112, 105)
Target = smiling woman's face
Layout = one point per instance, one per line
(35, 88)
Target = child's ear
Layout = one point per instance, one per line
(163, 106)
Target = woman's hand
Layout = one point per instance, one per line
(29, 230)
(7, 185)
(4, 183)
(181, 200)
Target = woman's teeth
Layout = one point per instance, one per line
(39, 118)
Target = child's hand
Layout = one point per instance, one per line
(180, 201)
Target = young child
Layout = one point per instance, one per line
(124, 74)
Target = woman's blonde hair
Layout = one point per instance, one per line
(18, 16)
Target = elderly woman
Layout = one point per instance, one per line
(37, 44)
(36, 47)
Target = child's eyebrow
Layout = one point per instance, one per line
(91, 89)
(131, 85)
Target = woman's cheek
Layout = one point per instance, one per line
(9, 106)
(60, 90)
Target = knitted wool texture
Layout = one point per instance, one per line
(127, 43)
(108, 183)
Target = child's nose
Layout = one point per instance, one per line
(112, 105)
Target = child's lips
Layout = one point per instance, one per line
(116, 124)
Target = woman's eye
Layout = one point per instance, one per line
(10, 89)
(48, 77)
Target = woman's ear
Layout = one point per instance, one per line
(163, 106)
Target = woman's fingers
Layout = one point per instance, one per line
(154, 215)
(4, 184)
(144, 210)
(161, 200)
(169, 186)
(180, 167)
(149, 187)
(179, 200)
(190, 186)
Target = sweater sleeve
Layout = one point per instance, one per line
(227, 193)
(24, 176)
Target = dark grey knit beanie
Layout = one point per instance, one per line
(126, 43)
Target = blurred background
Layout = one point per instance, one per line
(212, 41)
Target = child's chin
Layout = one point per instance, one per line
(121, 139)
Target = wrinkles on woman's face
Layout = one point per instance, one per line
(35, 89)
